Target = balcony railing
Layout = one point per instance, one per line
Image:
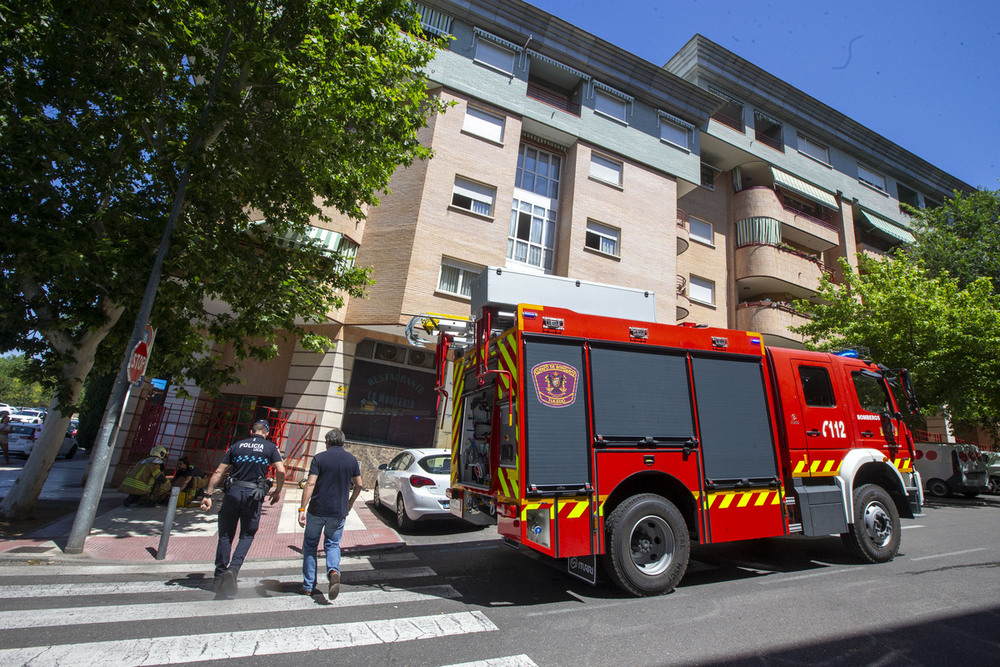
(552, 98)
(682, 219)
(682, 284)
(798, 208)
(791, 251)
(780, 305)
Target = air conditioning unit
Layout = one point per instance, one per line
(386, 352)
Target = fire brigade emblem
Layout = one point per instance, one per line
(555, 383)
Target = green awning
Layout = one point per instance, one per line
(888, 228)
(327, 240)
(790, 182)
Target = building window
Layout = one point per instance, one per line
(731, 111)
(701, 290)
(538, 171)
(494, 55)
(672, 133)
(347, 250)
(433, 22)
(813, 149)
(472, 196)
(532, 236)
(456, 277)
(605, 169)
(768, 130)
(872, 178)
(701, 231)
(484, 124)
(708, 174)
(907, 196)
(602, 238)
(610, 105)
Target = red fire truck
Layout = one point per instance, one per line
(586, 437)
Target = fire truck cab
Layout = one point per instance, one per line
(586, 437)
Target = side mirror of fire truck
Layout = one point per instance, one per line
(911, 395)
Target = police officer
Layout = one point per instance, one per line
(247, 462)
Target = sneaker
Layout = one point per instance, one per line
(334, 578)
(228, 586)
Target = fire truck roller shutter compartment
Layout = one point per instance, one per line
(641, 396)
(738, 448)
(555, 435)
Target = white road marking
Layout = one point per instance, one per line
(168, 567)
(914, 526)
(39, 618)
(952, 553)
(351, 577)
(244, 644)
(509, 661)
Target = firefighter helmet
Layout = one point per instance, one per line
(159, 452)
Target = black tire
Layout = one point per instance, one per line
(647, 545)
(403, 522)
(938, 488)
(71, 453)
(875, 534)
(375, 501)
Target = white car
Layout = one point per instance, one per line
(23, 437)
(28, 416)
(414, 484)
(4, 408)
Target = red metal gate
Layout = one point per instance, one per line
(203, 428)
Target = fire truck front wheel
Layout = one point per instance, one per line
(874, 536)
(648, 545)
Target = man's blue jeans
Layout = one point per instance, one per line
(332, 528)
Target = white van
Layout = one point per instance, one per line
(949, 468)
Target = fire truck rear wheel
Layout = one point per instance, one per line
(648, 545)
(874, 536)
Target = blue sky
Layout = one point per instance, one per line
(925, 75)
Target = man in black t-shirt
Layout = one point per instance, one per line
(247, 462)
(330, 476)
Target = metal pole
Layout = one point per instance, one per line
(168, 523)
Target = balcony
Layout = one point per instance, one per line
(683, 302)
(552, 98)
(797, 226)
(683, 233)
(773, 269)
(773, 320)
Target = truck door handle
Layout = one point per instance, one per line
(813, 433)
(867, 434)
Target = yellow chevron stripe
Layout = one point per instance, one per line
(800, 467)
(503, 484)
(579, 510)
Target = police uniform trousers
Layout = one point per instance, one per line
(238, 507)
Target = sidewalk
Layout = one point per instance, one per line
(132, 534)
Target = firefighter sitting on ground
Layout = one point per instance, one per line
(146, 483)
(190, 479)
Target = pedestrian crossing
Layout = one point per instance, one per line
(148, 615)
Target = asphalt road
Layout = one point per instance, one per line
(453, 598)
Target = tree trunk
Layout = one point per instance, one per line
(20, 502)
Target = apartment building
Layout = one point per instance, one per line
(706, 180)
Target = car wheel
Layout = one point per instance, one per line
(403, 522)
(994, 485)
(71, 453)
(874, 536)
(648, 545)
(938, 487)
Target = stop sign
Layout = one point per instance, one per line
(137, 362)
